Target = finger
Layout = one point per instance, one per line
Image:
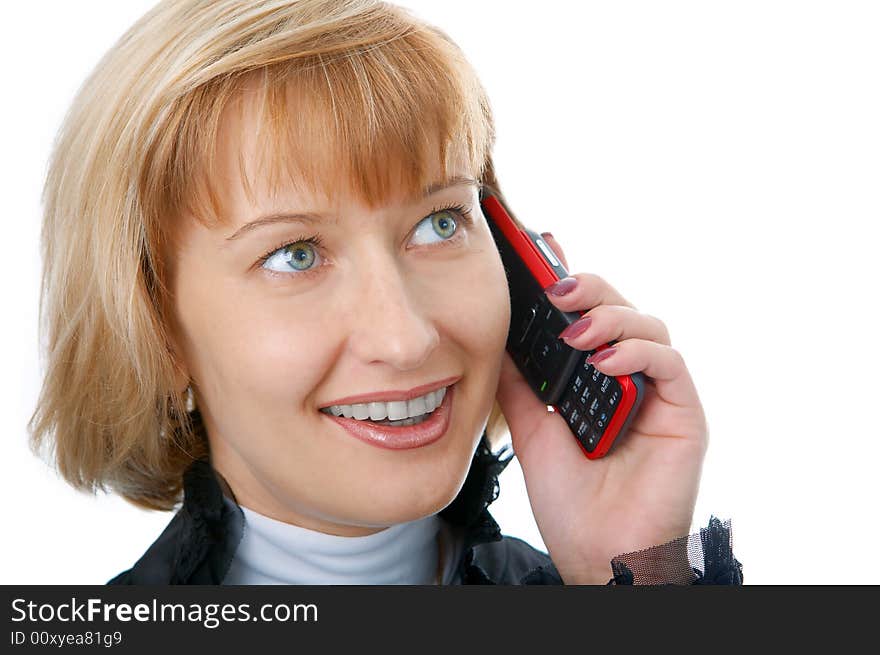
(551, 241)
(607, 323)
(589, 291)
(662, 363)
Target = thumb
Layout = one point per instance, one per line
(523, 411)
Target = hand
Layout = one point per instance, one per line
(643, 492)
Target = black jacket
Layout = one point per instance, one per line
(199, 542)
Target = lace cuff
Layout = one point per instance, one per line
(673, 562)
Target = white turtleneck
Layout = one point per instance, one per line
(274, 552)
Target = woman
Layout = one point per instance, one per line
(261, 215)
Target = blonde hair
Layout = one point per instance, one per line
(374, 87)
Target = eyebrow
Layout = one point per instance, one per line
(314, 217)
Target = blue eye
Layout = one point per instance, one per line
(296, 256)
(441, 223)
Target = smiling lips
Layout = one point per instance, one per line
(422, 424)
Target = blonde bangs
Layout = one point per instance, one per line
(372, 121)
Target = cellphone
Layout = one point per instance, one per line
(598, 408)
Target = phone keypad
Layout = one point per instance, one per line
(589, 403)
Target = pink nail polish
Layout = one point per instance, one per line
(577, 328)
(601, 355)
(562, 287)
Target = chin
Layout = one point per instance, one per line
(411, 497)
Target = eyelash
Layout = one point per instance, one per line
(317, 241)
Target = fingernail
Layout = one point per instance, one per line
(578, 327)
(562, 287)
(601, 355)
(547, 235)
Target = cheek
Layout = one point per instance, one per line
(279, 352)
(254, 350)
(473, 303)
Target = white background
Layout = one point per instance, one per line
(717, 163)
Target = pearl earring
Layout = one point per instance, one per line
(190, 400)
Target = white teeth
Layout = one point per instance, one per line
(378, 411)
(416, 406)
(395, 410)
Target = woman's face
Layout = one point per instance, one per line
(393, 298)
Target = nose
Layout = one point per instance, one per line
(392, 324)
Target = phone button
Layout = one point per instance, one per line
(613, 397)
(547, 252)
(565, 407)
(588, 367)
(601, 419)
(586, 397)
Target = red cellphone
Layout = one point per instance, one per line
(597, 407)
